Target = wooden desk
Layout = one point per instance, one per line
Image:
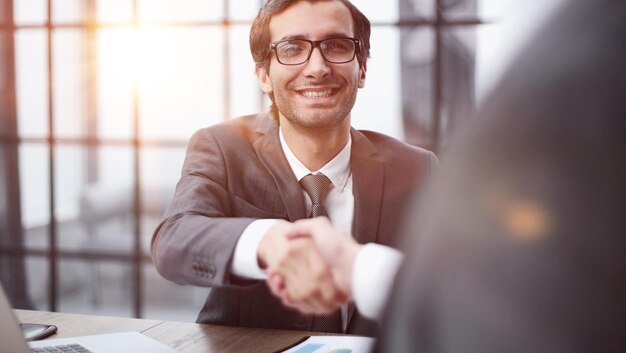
(184, 337)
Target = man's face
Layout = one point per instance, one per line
(315, 94)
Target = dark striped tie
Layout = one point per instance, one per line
(317, 186)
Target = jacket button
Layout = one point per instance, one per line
(195, 266)
(211, 270)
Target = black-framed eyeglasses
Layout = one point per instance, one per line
(298, 51)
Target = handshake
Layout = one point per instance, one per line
(309, 264)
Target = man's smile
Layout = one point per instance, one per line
(316, 93)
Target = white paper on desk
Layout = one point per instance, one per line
(334, 344)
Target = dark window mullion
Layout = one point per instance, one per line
(437, 76)
(137, 284)
(93, 141)
(12, 266)
(226, 58)
(90, 56)
(82, 254)
(52, 229)
(128, 25)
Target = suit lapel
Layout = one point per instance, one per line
(367, 187)
(270, 152)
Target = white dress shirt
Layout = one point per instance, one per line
(373, 276)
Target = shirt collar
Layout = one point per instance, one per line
(337, 169)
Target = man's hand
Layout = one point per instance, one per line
(296, 271)
(337, 248)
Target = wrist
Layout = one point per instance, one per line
(269, 243)
(345, 269)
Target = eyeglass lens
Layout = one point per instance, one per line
(297, 51)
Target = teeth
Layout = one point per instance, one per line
(317, 94)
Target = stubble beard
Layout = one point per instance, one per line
(323, 119)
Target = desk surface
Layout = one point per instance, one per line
(184, 337)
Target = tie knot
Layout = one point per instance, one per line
(317, 186)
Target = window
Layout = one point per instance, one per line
(102, 95)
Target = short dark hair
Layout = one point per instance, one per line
(260, 35)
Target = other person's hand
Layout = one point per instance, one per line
(297, 274)
(338, 249)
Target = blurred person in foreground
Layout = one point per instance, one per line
(523, 245)
(246, 180)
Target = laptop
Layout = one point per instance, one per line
(124, 342)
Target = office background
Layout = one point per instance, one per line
(99, 97)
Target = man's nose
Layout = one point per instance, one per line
(316, 66)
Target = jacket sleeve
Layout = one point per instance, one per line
(195, 241)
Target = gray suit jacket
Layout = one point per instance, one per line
(235, 173)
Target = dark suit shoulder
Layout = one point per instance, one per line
(244, 127)
(400, 154)
(235, 133)
(390, 145)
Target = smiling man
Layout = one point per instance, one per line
(246, 180)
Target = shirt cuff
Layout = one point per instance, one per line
(245, 263)
(374, 272)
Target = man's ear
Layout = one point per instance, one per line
(362, 71)
(264, 80)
